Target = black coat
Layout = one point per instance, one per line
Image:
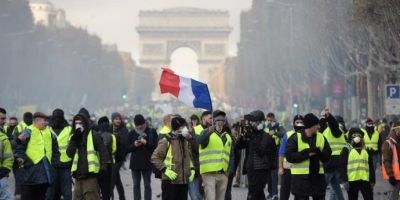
(122, 138)
(140, 157)
(314, 183)
(260, 152)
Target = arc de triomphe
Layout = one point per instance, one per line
(162, 32)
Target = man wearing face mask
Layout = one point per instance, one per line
(390, 158)
(173, 158)
(336, 139)
(260, 155)
(216, 157)
(143, 142)
(373, 141)
(307, 150)
(357, 171)
(284, 166)
(194, 186)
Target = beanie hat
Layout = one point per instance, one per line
(58, 113)
(103, 120)
(177, 122)
(139, 120)
(298, 117)
(310, 120)
(115, 115)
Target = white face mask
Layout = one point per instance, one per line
(260, 126)
(357, 140)
(79, 126)
(185, 132)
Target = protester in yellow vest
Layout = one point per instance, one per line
(3, 120)
(284, 166)
(89, 157)
(63, 180)
(166, 128)
(373, 141)
(307, 150)
(6, 161)
(173, 158)
(336, 139)
(216, 157)
(357, 171)
(37, 152)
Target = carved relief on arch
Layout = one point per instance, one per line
(175, 44)
(153, 49)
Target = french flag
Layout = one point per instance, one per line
(187, 90)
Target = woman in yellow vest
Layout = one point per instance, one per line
(357, 171)
(174, 159)
(307, 150)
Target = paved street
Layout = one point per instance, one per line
(237, 193)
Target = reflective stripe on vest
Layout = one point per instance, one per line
(304, 166)
(357, 166)
(198, 129)
(371, 142)
(215, 157)
(336, 144)
(113, 146)
(63, 139)
(92, 157)
(39, 145)
(395, 163)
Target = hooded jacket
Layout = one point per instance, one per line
(78, 145)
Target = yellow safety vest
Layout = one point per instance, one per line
(168, 161)
(371, 142)
(336, 144)
(7, 158)
(40, 144)
(92, 157)
(164, 130)
(113, 147)
(357, 166)
(21, 126)
(303, 167)
(276, 138)
(63, 139)
(215, 157)
(198, 129)
(286, 164)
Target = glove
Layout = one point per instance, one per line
(346, 186)
(392, 181)
(171, 174)
(191, 177)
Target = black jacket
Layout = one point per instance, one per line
(260, 152)
(314, 183)
(79, 145)
(140, 157)
(122, 136)
(330, 122)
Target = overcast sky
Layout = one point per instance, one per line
(115, 20)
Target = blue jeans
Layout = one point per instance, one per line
(136, 176)
(273, 183)
(194, 189)
(62, 185)
(4, 192)
(335, 192)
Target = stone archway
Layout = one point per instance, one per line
(162, 32)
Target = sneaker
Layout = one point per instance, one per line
(275, 197)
